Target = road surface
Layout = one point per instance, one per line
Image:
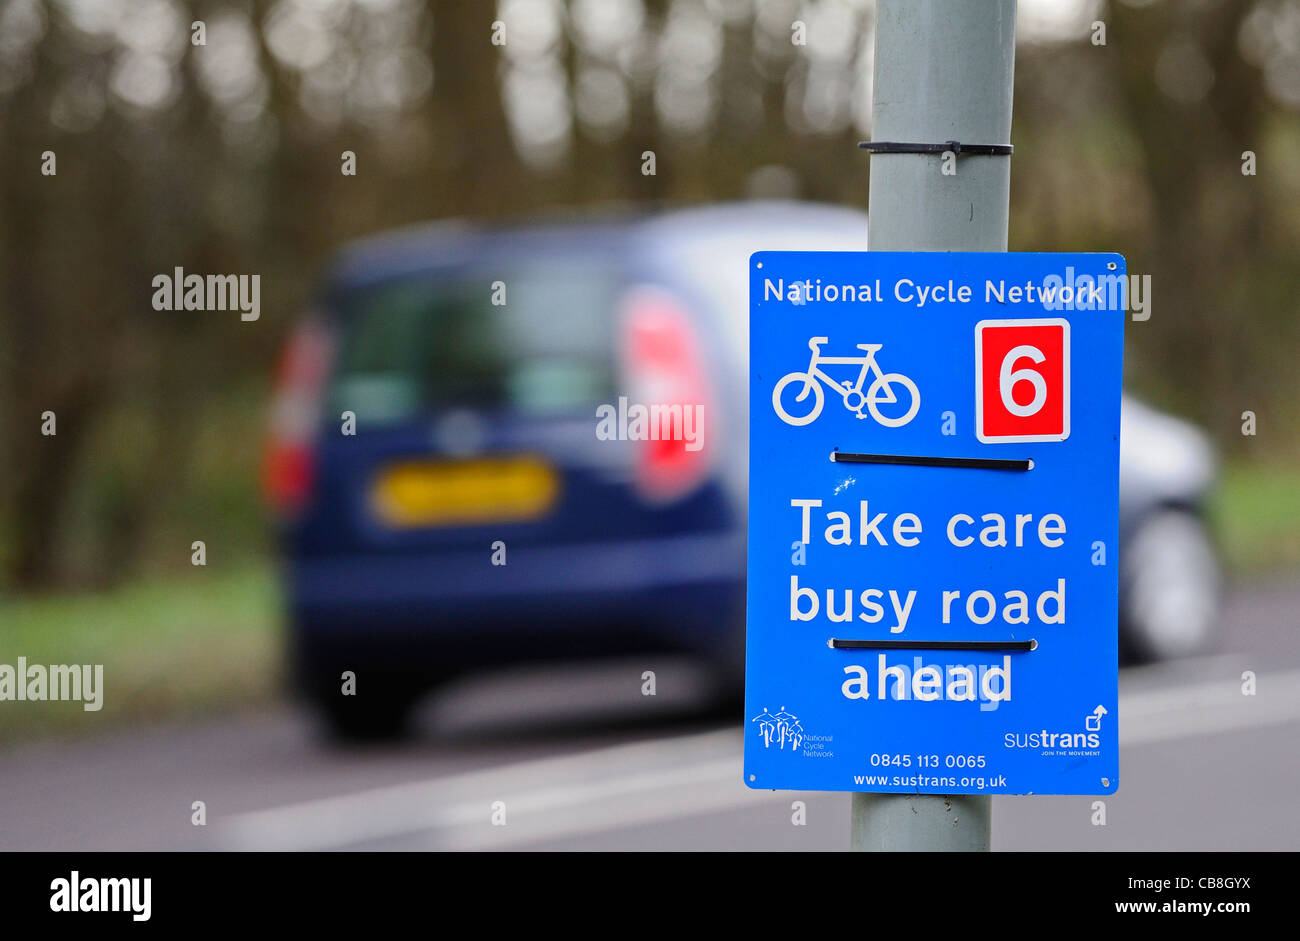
(599, 766)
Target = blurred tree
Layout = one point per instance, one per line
(226, 157)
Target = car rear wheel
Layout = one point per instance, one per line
(1171, 587)
(381, 714)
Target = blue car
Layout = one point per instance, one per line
(469, 468)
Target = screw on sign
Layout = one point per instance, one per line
(1022, 380)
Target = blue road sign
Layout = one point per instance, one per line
(933, 522)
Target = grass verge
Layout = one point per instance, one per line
(173, 647)
(1256, 512)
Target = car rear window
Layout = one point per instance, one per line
(422, 345)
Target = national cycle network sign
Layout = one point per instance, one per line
(933, 522)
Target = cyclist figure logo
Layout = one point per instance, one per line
(880, 392)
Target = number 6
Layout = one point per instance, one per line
(1007, 379)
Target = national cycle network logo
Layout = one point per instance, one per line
(779, 730)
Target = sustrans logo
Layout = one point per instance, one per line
(1046, 739)
(896, 392)
(76, 894)
(1065, 743)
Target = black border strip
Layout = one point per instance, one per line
(839, 643)
(912, 460)
(957, 147)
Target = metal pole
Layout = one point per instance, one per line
(943, 72)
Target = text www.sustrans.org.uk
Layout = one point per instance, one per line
(1179, 907)
(926, 780)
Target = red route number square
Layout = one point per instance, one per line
(1022, 380)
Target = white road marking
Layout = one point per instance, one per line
(626, 785)
(1208, 708)
(466, 799)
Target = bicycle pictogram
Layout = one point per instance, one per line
(880, 392)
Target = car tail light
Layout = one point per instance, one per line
(665, 374)
(288, 470)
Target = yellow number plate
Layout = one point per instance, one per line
(425, 493)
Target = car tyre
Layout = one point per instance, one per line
(1171, 587)
(366, 717)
